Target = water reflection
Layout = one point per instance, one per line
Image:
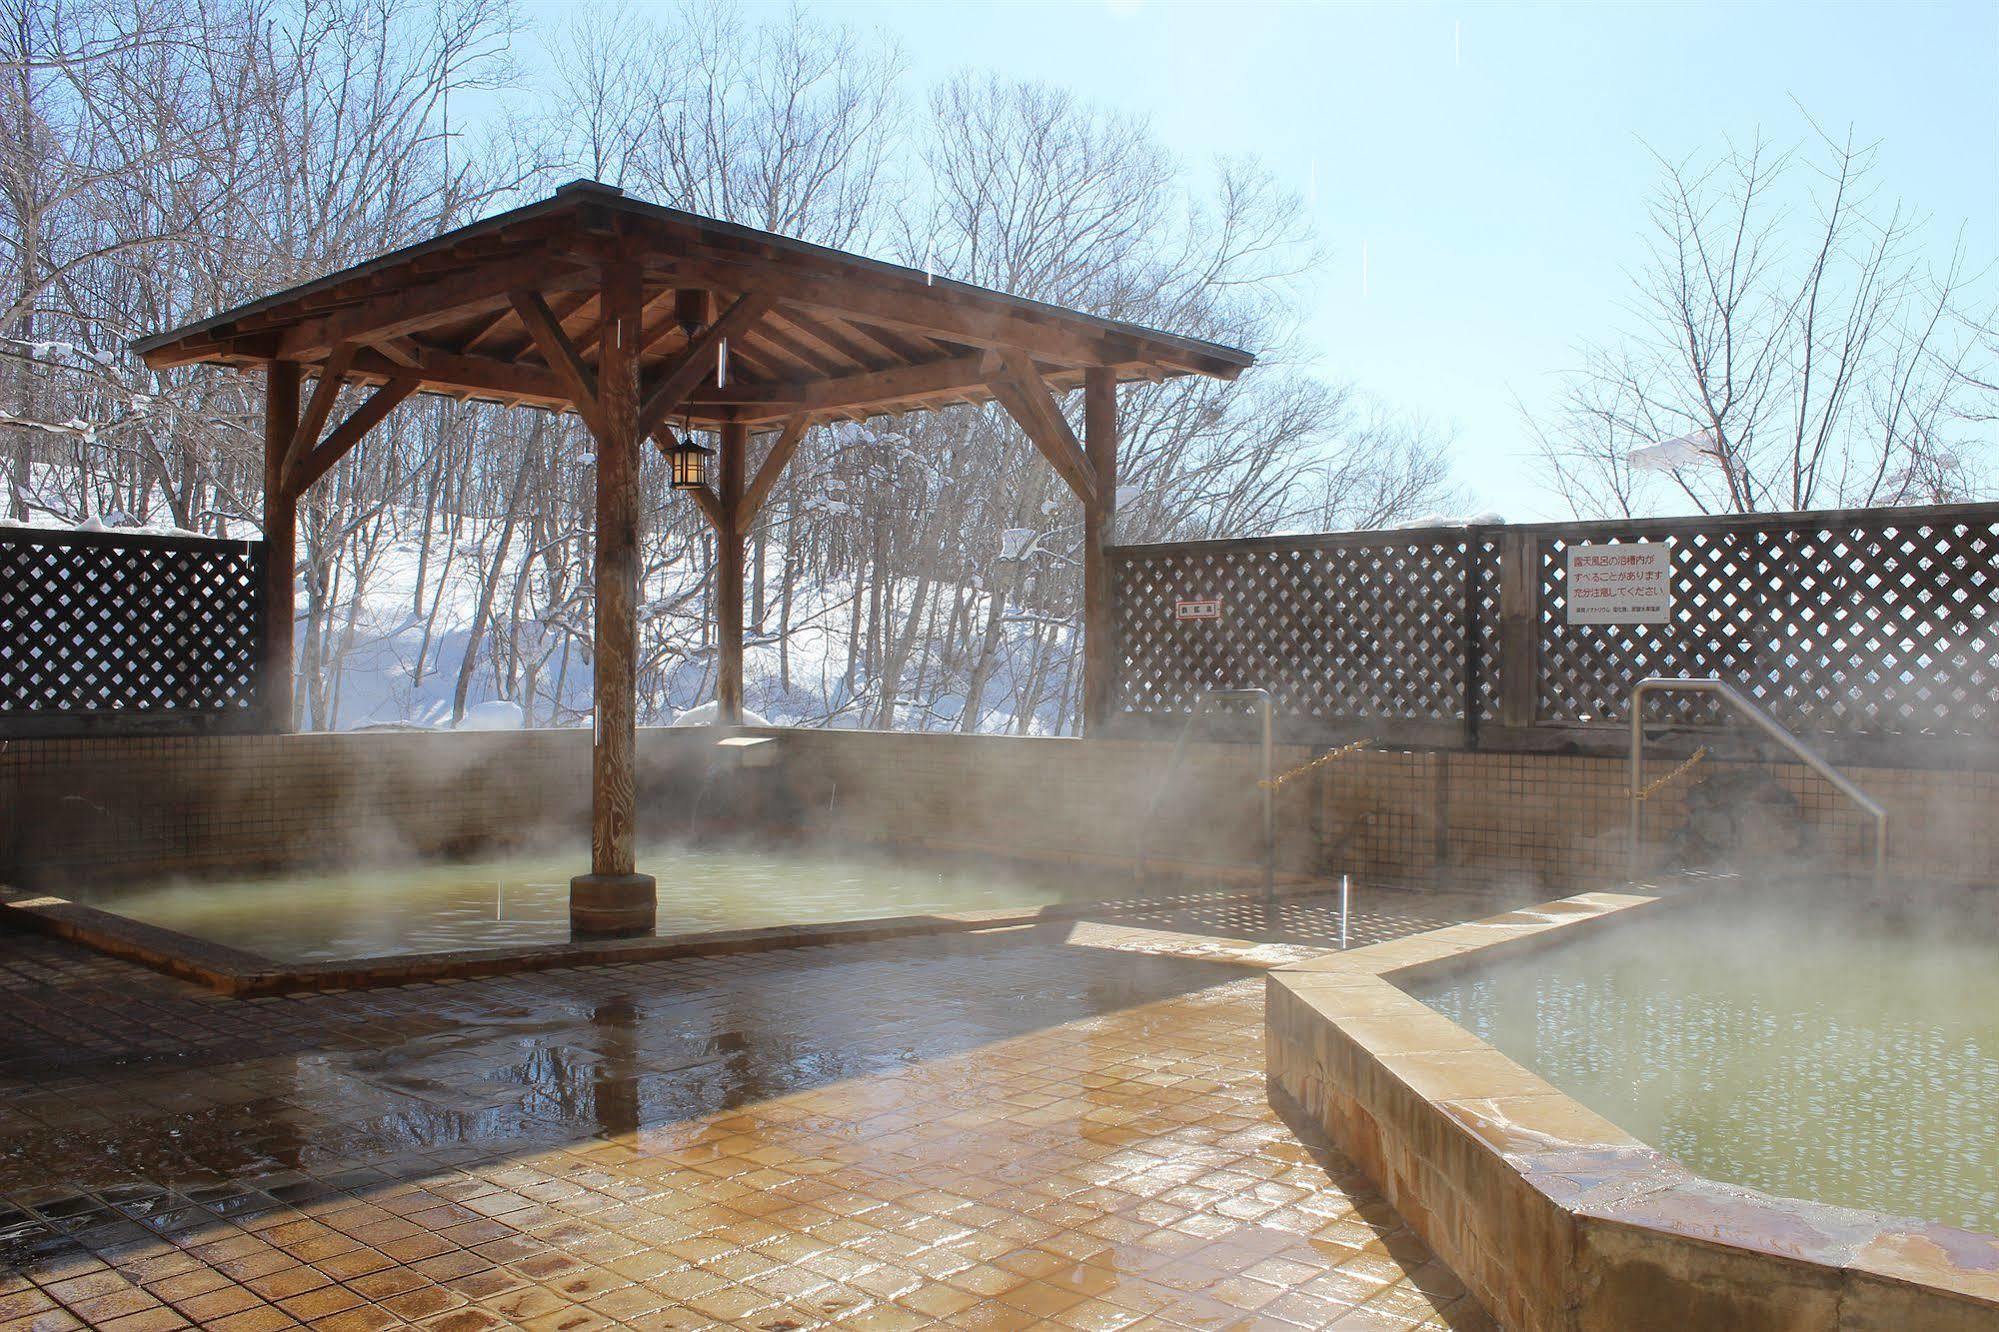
(636, 1061)
(661, 1057)
(614, 1086)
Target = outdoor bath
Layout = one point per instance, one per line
(1791, 1042)
(521, 901)
(1777, 1099)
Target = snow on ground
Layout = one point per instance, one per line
(400, 658)
(495, 714)
(707, 714)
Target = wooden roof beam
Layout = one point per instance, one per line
(935, 312)
(249, 347)
(1020, 389)
(452, 372)
(891, 385)
(403, 351)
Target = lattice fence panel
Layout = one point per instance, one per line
(1338, 630)
(1854, 625)
(1484, 602)
(95, 624)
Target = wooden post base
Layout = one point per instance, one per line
(613, 904)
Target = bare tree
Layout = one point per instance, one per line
(1790, 348)
(184, 157)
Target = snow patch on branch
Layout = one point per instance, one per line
(1669, 455)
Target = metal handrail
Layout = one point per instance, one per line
(1661, 684)
(1260, 697)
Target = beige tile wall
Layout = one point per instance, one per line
(187, 805)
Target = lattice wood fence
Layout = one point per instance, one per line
(106, 632)
(1866, 625)
(1340, 628)
(1854, 623)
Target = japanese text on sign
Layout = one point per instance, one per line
(1207, 608)
(1627, 583)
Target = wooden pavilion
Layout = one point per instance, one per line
(633, 315)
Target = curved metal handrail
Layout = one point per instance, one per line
(1662, 684)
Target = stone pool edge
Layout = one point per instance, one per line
(239, 974)
(1552, 1215)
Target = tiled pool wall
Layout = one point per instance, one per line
(1557, 1219)
(94, 808)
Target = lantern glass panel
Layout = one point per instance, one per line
(690, 464)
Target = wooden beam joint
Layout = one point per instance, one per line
(774, 463)
(309, 464)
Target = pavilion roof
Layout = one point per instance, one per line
(811, 333)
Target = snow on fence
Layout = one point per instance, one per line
(1859, 629)
(107, 632)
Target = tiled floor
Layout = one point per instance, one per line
(1051, 1127)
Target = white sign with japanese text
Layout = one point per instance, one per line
(1627, 583)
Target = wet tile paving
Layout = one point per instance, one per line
(1058, 1126)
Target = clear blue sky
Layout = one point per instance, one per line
(1491, 161)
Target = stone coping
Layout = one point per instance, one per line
(233, 971)
(1556, 1217)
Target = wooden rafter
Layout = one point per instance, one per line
(422, 305)
(697, 362)
(560, 353)
(798, 338)
(900, 383)
(921, 311)
(403, 351)
(525, 382)
(488, 325)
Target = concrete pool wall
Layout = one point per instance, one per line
(92, 808)
(1556, 1218)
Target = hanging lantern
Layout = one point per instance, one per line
(689, 462)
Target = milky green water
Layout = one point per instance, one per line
(385, 912)
(1793, 1047)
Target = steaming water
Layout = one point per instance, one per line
(383, 912)
(1809, 1051)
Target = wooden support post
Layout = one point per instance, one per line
(614, 898)
(729, 576)
(1099, 624)
(1519, 628)
(274, 666)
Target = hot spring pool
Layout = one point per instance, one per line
(1799, 1047)
(344, 915)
